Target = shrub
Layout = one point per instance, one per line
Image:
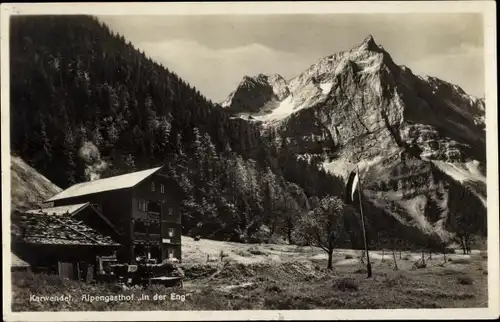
(465, 280)
(420, 264)
(273, 289)
(255, 251)
(406, 257)
(449, 250)
(242, 253)
(348, 256)
(346, 284)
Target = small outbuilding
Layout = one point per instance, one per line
(55, 241)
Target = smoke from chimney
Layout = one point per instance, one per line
(92, 158)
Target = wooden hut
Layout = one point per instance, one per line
(59, 243)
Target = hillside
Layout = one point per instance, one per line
(28, 187)
(87, 104)
(413, 137)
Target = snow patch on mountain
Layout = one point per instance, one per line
(326, 87)
(462, 172)
(415, 207)
(342, 167)
(279, 110)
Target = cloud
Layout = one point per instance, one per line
(217, 72)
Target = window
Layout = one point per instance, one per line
(154, 206)
(154, 228)
(153, 186)
(140, 227)
(170, 253)
(153, 217)
(142, 205)
(170, 211)
(170, 232)
(162, 188)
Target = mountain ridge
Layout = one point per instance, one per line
(321, 70)
(359, 107)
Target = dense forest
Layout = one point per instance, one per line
(86, 104)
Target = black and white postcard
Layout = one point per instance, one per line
(281, 160)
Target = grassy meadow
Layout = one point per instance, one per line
(273, 277)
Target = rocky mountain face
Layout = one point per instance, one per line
(403, 130)
(254, 93)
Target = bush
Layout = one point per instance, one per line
(449, 250)
(255, 251)
(465, 280)
(346, 284)
(273, 289)
(407, 257)
(420, 264)
(348, 256)
(242, 253)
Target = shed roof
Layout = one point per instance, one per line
(18, 262)
(107, 184)
(38, 228)
(60, 210)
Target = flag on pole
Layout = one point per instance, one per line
(351, 187)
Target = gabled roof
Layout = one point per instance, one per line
(70, 210)
(59, 211)
(107, 184)
(36, 228)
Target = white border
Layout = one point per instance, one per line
(487, 8)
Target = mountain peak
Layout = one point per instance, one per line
(369, 44)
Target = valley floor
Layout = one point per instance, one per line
(280, 277)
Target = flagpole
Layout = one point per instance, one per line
(368, 264)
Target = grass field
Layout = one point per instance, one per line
(280, 277)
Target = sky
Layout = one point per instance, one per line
(214, 52)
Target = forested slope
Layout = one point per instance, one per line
(86, 104)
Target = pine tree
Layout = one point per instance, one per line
(46, 145)
(129, 163)
(69, 146)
